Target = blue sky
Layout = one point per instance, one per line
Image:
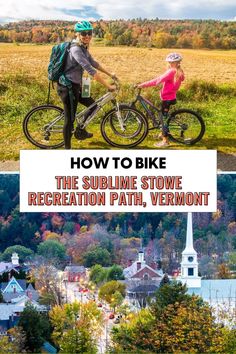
(16, 10)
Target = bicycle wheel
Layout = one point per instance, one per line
(185, 127)
(124, 128)
(128, 119)
(43, 126)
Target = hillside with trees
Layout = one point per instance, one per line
(196, 34)
(115, 238)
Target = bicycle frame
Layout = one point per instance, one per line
(102, 101)
(145, 103)
(82, 123)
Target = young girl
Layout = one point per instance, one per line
(171, 81)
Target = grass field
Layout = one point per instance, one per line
(209, 88)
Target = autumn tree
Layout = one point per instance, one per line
(139, 32)
(8, 346)
(76, 327)
(48, 235)
(116, 300)
(48, 283)
(183, 323)
(163, 40)
(78, 245)
(109, 289)
(18, 339)
(223, 271)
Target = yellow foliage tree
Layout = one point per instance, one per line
(184, 325)
(77, 327)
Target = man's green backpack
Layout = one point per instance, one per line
(56, 69)
(57, 61)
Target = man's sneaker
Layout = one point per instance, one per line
(82, 134)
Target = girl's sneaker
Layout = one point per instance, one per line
(161, 144)
(159, 136)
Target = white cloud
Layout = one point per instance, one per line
(42, 9)
(167, 9)
(111, 9)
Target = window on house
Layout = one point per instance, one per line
(190, 271)
(146, 277)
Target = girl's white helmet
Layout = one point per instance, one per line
(172, 57)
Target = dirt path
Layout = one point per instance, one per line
(225, 163)
(9, 166)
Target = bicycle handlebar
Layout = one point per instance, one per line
(116, 83)
(138, 89)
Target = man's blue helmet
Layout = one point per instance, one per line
(83, 26)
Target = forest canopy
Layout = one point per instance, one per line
(115, 238)
(196, 34)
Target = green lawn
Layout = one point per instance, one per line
(216, 104)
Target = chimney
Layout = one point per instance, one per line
(29, 294)
(139, 265)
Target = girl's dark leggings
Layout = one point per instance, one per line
(165, 106)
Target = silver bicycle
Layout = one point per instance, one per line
(122, 126)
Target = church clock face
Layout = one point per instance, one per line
(190, 259)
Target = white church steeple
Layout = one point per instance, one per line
(15, 259)
(141, 256)
(189, 264)
(189, 236)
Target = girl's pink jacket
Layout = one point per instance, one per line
(170, 86)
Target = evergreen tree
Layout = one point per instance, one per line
(36, 328)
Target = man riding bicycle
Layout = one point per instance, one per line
(79, 60)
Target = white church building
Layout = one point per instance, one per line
(217, 292)
(189, 264)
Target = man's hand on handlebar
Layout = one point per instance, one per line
(114, 77)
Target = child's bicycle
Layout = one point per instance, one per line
(183, 125)
(43, 125)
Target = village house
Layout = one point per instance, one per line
(74, 273)
(142, 280)
(16, 293)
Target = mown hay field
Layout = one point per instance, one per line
(209, 88)
(130, 64)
